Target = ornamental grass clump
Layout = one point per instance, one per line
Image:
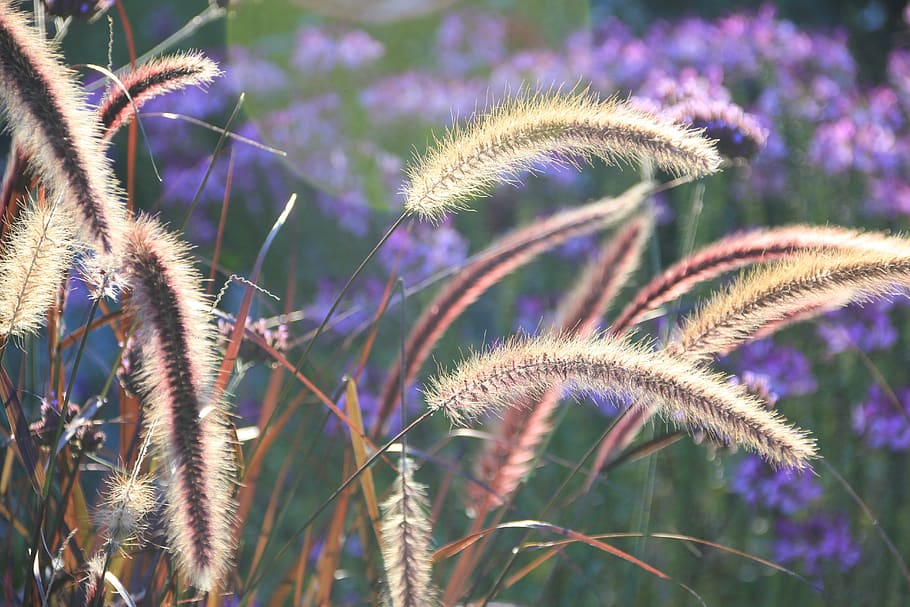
(156, 491)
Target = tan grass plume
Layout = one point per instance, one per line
(37, 253)
(690, 396)
(406, 545)
(789, 290)
(523, 132)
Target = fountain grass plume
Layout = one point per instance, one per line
(745, 248)
(188, 429)
(406, 549)
(691, 396)
(506, 459)
(522, 133)
(504, 256)
(37, 253)
(157, 77)
(51, 124)
(789, 291)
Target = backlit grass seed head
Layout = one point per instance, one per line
(521, 133)
(189, 430)
(790, 291)
(157, 77)
(487, 268)
(37, 254)
(127, 501)
(49, 120)
(503, 377)
(406, 546)
(744, 248)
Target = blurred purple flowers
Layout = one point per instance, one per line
(817, 542)
(882, 421)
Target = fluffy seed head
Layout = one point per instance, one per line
(127, 501)
(47, 115)
(37, 253)
(739, 136)
(789, 291)
(521, 133)
(503, 257)
(188, 429)
(505, 376)
(157, 77)
(406, 535)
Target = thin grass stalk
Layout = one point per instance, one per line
(489, 267)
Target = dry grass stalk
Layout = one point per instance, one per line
(690, 396)
(187, 428)
(522, 133)
(506, 459)
(51, 124)
(789, 290)
(37, 253)
(488, 268)
(406, 550)
(157, 77)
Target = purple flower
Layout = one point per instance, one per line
(423, 250)
(457, 36)
(784, 491)
(889, 196)
(867, 327)
(787, 369)
(317, 52)
(816, 543)
(882, 422)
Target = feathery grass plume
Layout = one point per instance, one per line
(689, 395)
(406, 534)
(504, 256)
(789, 290)
(524, 132)
(741, 249)
(187, 428)
(506, 459)
(37, 253)
(50, 122)
(157, 77)
(126, 502)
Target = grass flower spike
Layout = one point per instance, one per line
(505, 376)
(504, 256)
(406, 535)
(35, 258)
(522, 133)
(188, 429)
(157, 77)
(788, 291)
(47, 115)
